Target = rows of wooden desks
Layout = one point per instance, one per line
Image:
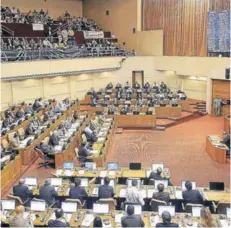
(215, 149)
(27, 155)
(84, 218)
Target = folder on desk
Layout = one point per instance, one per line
(88, 219)
(178, 194)
(123, 192)
(93, 152)
(118, 218)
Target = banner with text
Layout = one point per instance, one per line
(38, 27)
(93, 34)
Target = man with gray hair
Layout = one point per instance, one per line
(22, 191)
(48, 193)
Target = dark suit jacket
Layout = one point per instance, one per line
(78, 192)
(193, 196)
(47, 193)
(54, 140)
(155, 176)
(83, 153)
(57, 223)
(19, 114)
(163, 196)
(132, 221)
(22, 191)
(106, 191)
(167, 225)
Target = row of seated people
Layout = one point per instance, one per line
(60, 138)
(131, 217)
(13, 15)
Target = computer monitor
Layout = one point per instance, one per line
(196, 212)
(129, 182)
(56, 181)
(8, 204)
(170, 209)
(69, 207)
(84, 182)
(90, 165)
(228, 213)
(68, 165)
(135, 166)
(112, 166)
(218, 186)
(137, 209)
(100, 208)
(164, 182)
(184, 188)
(112, 182)
(31, 181)
(37, 205)
(155, 166)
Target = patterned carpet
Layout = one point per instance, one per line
(181, 148)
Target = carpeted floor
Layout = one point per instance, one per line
(181, 148)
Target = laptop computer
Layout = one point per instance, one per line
(216, 186)
(135, 166)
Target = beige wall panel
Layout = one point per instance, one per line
(121, 20)
(27, 90)
(56, 8)
(150, 43)
(6, 95)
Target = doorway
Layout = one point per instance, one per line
(138, 76)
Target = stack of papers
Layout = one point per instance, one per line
(111, 173)
(81, 171)
(225, 223)
(59, 172)
(178, 194)
(88, 219)
(103, 173)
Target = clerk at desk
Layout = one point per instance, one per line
(83, 153)
(22, 191)
(192, 195)
(106, 191)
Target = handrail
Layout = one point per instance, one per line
(61, 27)
(4, 28)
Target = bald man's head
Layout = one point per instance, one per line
(19, 209)
(22, 181)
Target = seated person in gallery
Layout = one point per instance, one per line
(150, 103)
(173, 102)
(38, 105)
(163, 85)
(109, 86)
(68, 123)
(146, 85)
(182, 96)
(75, 115)
(125, 109)
(132, 220)
(61, 132)
(105, 102)
(128, 96)
(170, 95)
(116, 101)
(60, 107)
(118, 85)
(139, 102)
(161, 195)
(119, 93)
(46, 149)
(192, 195)
(166, 220)
(7, 122)
(29, 109)
(20, 113)
(136, 85)
(30, 130)
(155, 85)
(112, 109)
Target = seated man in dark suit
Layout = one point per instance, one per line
(54, 139)
(48, 193)
(132, 220)
(77, 191)
(47, 150)
(59, 221)
(20, 113)
(29, 130)
(192, 196)
(161, 195)
(83, 152)
(22, 191)
(166, 217)
(157, 176)
(106, 191)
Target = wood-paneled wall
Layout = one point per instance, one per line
(221, 88)
(184, 23)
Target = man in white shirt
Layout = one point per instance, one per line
(133, 195)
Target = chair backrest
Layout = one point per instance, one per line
(5, 144)
(110, 202)
(222, 207)
(79, 204)
(11, 136)
(156, 203)
(17, 199)
(188, 207)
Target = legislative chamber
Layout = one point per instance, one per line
(115, 113)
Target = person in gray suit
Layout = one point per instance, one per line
(18, 220)
(161, 195)
(48, 192)
(132, 220)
